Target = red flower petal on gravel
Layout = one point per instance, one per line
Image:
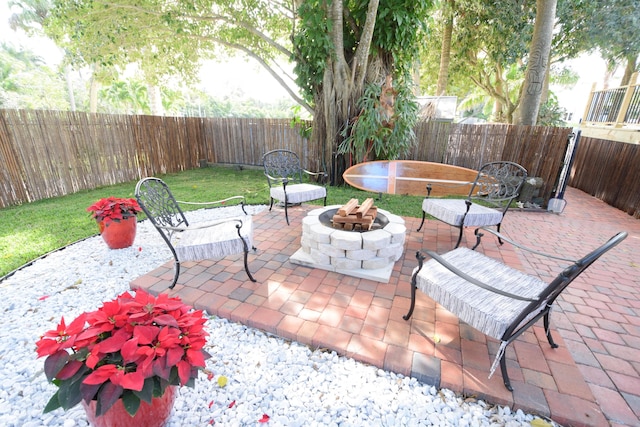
(232, 404)
(43, 297)
(210, 404)
(265, 418)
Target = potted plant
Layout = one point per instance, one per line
(116, 219)
(125, 359)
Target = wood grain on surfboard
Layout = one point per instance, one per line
(410, 177)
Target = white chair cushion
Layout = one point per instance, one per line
(486, 311)
(213, 242)
(452, 211)
(298, 193)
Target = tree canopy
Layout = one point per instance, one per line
(172, 38)
(490, 44)
(26, 82)
(353, 58)
(340, 48)
(615, 30)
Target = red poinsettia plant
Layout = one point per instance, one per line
(114, 209)
(131, 348)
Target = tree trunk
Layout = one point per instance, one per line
(544, 97)
(629, 69)
(155, 100)
(445, 51)
(72, 98)
(342, 87)
(527, 113)
(93, 95)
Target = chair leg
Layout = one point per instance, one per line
(414, 285)
(547, 329)
(286, 214)
(505, 375)
(498, 230)
(459, 237)
(413, 300)
(479, 236)
(271, 204)
(245, 247)
(422, 223)
(286, 204)
(246, 266)
(176, 269)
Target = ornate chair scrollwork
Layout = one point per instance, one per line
(496, 185)
(285, 177)
(194, 242)
(491, 297)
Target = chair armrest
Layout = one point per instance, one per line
(518, 245)
(465, 276)
(221, 202)
(445, 185)
(322, 175)
(203, 226)
(271, 179)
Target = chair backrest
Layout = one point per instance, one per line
(157, 202)
(548, 296)
(280, 165)
(498, 183)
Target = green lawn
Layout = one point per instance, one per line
(34, 229)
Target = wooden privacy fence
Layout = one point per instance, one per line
(52, 153)
(539, 149)
(610, 171)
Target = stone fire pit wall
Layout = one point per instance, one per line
(352, 250)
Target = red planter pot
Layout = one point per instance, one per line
(154, 414)
(119, 234)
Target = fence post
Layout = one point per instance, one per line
(589, 102)
(626, 101)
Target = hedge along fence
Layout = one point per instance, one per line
(53, 153)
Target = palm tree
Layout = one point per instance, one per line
(30, 19)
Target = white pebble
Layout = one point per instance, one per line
(287, 381)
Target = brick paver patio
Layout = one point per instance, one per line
(592, 379)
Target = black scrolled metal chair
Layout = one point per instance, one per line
(285, 177)
(495, 299)
(496, 185)
(194, 242)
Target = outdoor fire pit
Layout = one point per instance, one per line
(368, 253)
(352, 217)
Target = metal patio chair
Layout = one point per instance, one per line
(194, 242)
(495, 299)
(496, 185)
(285, 177)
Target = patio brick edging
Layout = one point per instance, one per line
(427, 369)
(227, 293)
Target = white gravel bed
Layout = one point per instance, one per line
(290, 383)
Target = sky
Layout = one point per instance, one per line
(245, 78)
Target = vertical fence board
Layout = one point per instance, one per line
(609, 171)
(52, 153)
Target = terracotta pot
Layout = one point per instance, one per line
(119, 234)
(154, 414)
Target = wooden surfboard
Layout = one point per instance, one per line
(410, 177)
